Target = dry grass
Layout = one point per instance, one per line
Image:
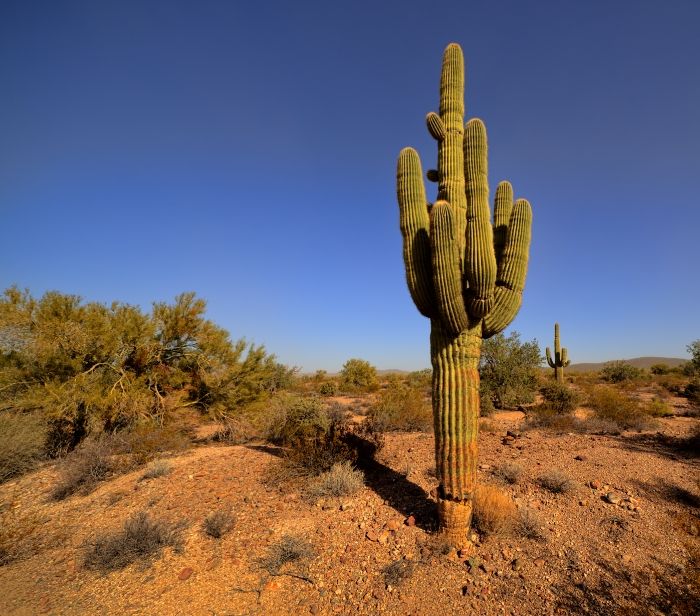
(140, 539)
(22, 437)
(612, 405)
(529, 524)
(341, 480)
(510, 472)
(486, 425)
(556, 482)
(159, 468)
(494, 511)
(218, 523)
(398, 571)
(83, 469)
(401, 407)
(288, 549)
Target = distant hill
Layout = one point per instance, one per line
(637, 362)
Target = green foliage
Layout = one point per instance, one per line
(89, 367)
(304, 420)
(328, 388)
(692, 391)
(402, 407)
(611, 405)
(619, 371)
(660, 368)
(420, 378)
(657, 408)
(509, 369)
(560, 397)
(358, 375)
(694, 350)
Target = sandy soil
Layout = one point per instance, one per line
(594, 557)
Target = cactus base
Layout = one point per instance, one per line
(454, 518)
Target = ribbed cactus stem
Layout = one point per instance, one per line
(561, 357)
(463, 272)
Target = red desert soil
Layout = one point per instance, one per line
(594, 557)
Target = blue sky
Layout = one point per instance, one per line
(247, 151)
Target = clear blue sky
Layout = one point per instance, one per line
(247, 151)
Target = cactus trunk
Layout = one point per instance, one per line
(463, 272)
(455, 361)
(561, 357)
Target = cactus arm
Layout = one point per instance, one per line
(503, 206)
(549, 358)
(450, 152)
(446, 278)
(415, 229)
(565, 357)
(480, 258)
(512, 270)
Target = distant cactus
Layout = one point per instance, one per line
(561, 357)
(464, 273)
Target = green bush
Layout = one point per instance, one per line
(358, 375)
(619, 371)
(611, 405)
(400, 407)
(657, 408)
(560, 397)
(692, 392)
(22, 438)
(509, 370)
(328, 388)
(660, 369)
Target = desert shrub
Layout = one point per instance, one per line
(341, 480)
(510, 472)
(494, 511)
(486, 407)
(358, 375)
(547, 417)
(140, 538)
(398, 571)
(692, 392)
(529, 524)
(289, 549)
(694, 349)
(560, 397)
(22, 438)
(303, 419)
(84, 468)
(420, 379)
(487, 425)
(400, 407)
(556, 482)
(509, 369)
(90, 368)
(218, 523)
(147, 440)
(619, 371)
(611, 405)
(159, 468)
(674, 384)
(328, 388)
(657, 408)
(660, 368)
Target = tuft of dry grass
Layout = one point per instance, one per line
(610, 404)
(140, 538)
(22, 437)
(289, 549)
(494, 511)
(401, 407)
(487, 425)
(529, 524)
(398, 571)
(218, 523)
(83, 469)
(341, 480)
(556, 482)
(159, 468)
(510, 472)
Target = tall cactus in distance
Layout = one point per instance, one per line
(561, 357)
(465, 274)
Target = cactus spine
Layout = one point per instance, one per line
(463, 273)
(561, 357)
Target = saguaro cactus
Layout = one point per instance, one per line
(561, 357)
(465, 274)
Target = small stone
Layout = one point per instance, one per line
(345, 506)
(594, 484)
(410, 521)
(383, 537)
(612, 498)
(474, 538)
(582, 503)
(516, 564)
(693, 529)
(371, 535)
(463, 553)
(626, 558)
(513, 434)
(314, 609)
(538, 562)
(485, 467)
(393, 525)
(272, 585)
(580, 458)
(185, 574)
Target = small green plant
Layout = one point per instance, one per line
(657, 408)
(611, 405)
(341, 480)
(556, 482)
(400, 407)
(328, 388)
(289, 549)
(218, 523)
(560, 397)
(660, 368)
(140, 538)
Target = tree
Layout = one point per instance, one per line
(509, 369)
(358, 374)
(694, 350)
(618, 371)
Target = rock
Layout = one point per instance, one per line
(693, 529)
(580, 458)
(393, 525)
(485, 467)
(473, 564)
(538, 562)
(410, 521)
(345, 506)
(612, 498)
(185, 574)
(517, 564)
(582, 503)
(372, 535)
(271, 585)
(314, 609)
(594, 484)
(464, 553)
(513, 434)
(474, 538)
(383, 537)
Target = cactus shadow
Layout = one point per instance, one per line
(398, 492)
